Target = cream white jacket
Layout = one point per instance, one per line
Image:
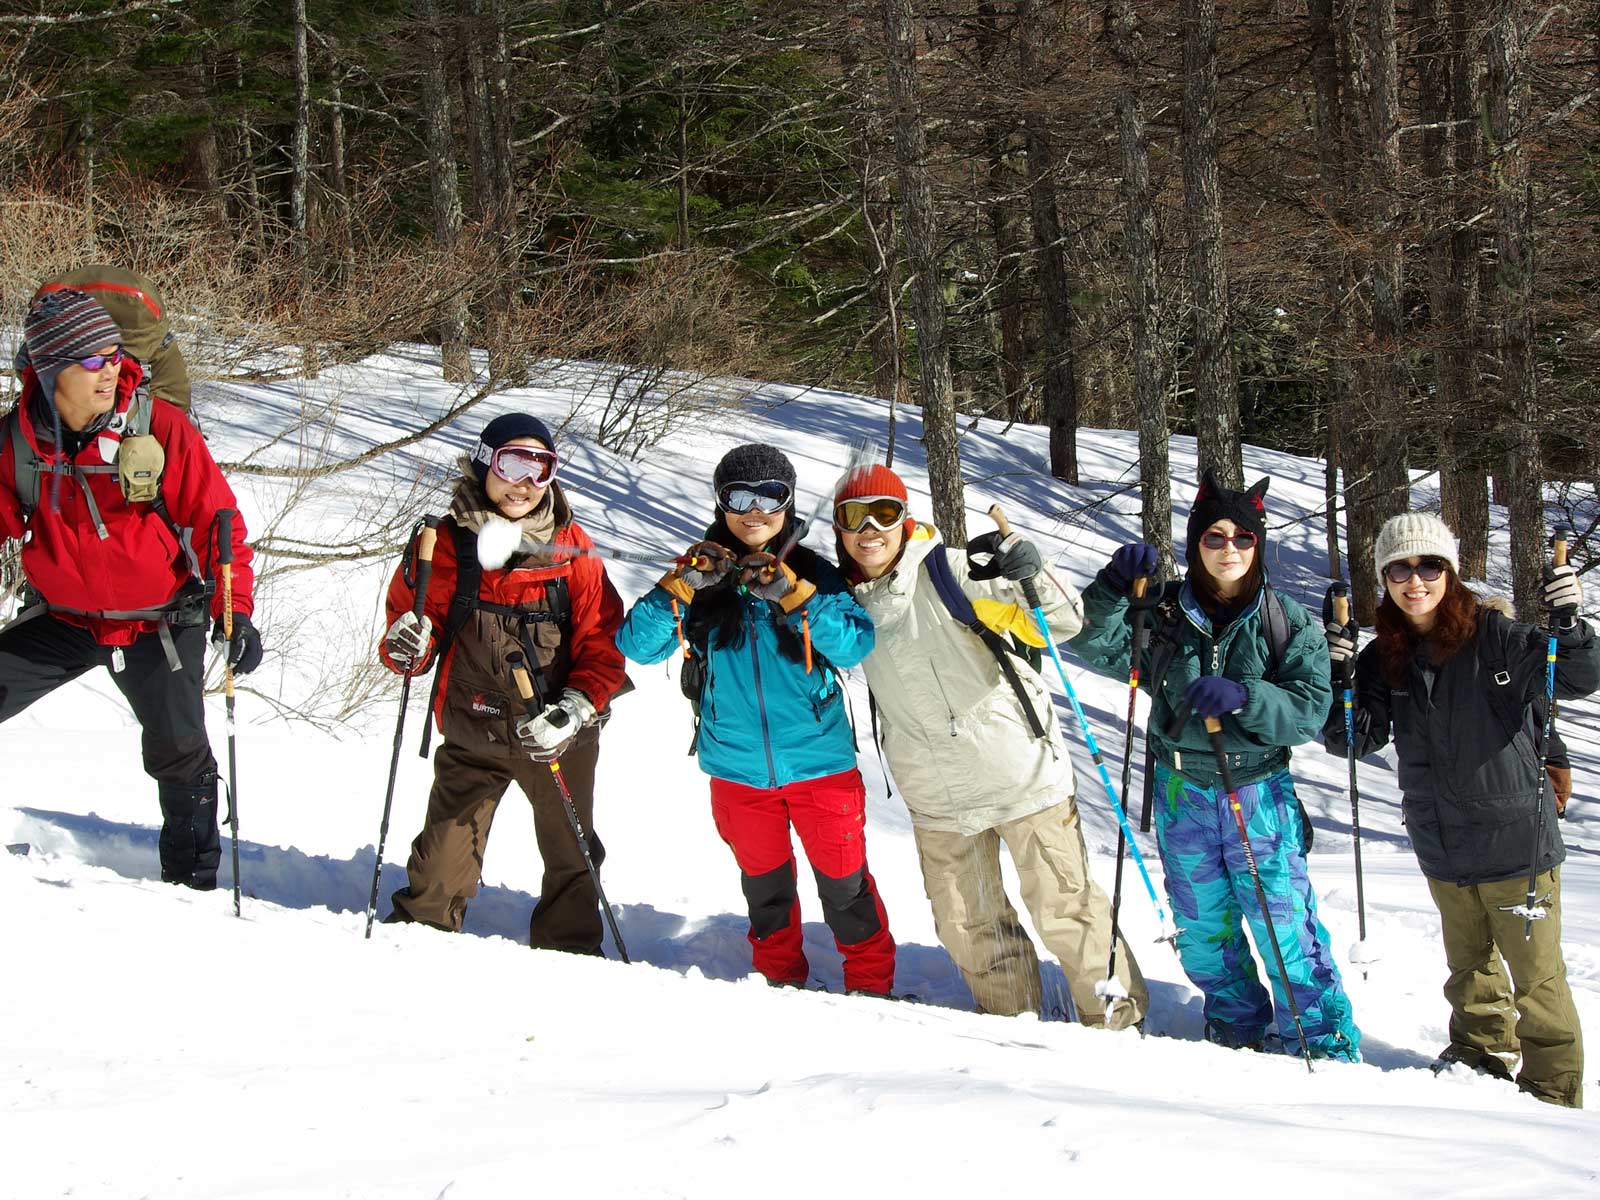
(960, 748)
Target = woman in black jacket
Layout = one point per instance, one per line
(1461, 689)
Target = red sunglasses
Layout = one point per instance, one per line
(1212, 540)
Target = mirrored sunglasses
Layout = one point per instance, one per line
(1212, 540)
(1427, 569)
(742, 495)
(93, 362)
(514, 464)
(881, 512)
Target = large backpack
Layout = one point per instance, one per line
(139, 311)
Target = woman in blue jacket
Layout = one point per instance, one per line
(773, 734)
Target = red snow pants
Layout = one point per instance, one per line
(830, 816)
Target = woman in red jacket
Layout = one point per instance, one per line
(562, 614)
(120, 570)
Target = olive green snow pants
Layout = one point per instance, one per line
(1478, 933)
(980, 929)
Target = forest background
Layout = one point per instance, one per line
(1362, 230)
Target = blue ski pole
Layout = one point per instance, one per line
(1031, 594)
(1531, 909)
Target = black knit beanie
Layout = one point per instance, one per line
(754, 462)
(503, 429)
(1213, 503)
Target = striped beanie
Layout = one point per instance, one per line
(61, 327)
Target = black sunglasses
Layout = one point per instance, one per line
(1427, 569)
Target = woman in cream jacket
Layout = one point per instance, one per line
(974, 766)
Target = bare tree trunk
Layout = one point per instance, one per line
(91, 166)
(443, 185)
(338, 180)
(1509, 99)
(1144, 299)
(880, 248)
(1034, 38)
(1005, 221)
(475, 110)
(300, 149)
(1465, 494)
(922, 244)
(1216, 387)
(681, 146)
(1330, 133)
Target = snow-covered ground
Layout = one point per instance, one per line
(152, 1045)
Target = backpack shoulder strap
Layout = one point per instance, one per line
(960, 607)
(25, 465)
(1275, 626)
(1507, 705)
(469, 573)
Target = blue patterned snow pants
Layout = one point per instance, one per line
(1209, 885)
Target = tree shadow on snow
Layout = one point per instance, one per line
(716, 946)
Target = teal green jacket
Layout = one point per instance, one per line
(1279, 714)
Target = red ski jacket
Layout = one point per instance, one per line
(138, 564)
(597, 665)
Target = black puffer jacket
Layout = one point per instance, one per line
(1469, 783)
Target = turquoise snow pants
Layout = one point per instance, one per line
(1209, 885)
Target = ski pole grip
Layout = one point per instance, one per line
(426, 537)
(998, 516)
(1140, 585)
(224, 537)
(1558, 546)
(1341, 604)
(520, 676)
(1213, 725)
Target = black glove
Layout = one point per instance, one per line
(1136, 560)
(1343, 640)
(244, 651)
(1012, 556)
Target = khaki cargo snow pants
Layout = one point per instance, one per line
(980, 929)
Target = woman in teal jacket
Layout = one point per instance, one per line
(773, 733)
(1220, 663)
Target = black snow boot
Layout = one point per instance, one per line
(191, 847)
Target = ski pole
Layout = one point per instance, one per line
(1214, 728)
(1531, 911)
(1031, 595)
(1341, 616)
(1138, 610)
(519, 673)
(427, 532)
(225, 565)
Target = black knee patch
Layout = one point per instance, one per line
(770, 898)
(848, 906)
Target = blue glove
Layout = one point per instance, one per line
(1134, 561)
(1216, 696)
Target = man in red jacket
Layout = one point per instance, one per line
(120, 550)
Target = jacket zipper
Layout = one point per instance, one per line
(761, 703)
(949, 711)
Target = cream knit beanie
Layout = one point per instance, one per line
(1415, 533)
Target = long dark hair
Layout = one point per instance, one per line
(1219, 608)
(1455, 624)
(716, 612)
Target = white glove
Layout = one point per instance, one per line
(1563, 594)
(543, 736)
(408, 638)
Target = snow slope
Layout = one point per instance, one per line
(151, 1045)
